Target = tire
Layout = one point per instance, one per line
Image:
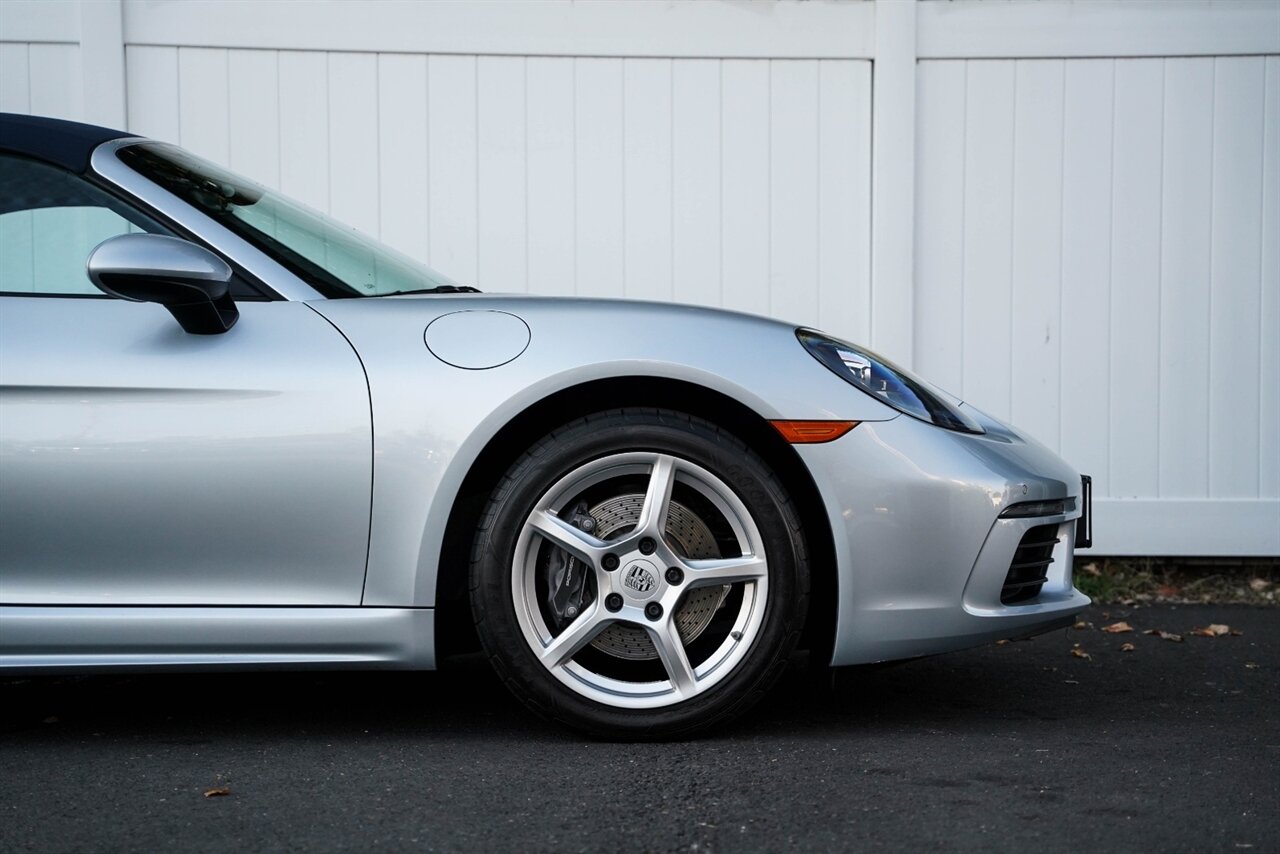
(639, 574)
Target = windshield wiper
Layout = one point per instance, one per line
(438, 289)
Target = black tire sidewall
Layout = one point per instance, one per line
(639, 430)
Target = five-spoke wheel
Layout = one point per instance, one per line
(639, 573)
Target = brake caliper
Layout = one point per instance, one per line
(566, 575)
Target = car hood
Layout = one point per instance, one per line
(562, 341)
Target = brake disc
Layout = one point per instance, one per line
(689, 536)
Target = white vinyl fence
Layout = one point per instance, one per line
(1066, 212)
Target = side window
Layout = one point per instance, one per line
(50, 220)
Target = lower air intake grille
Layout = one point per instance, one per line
(1027, 573)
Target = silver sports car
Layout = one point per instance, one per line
(237, 434)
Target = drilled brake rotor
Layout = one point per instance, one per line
(690, 537)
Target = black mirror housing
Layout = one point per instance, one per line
(188, 280)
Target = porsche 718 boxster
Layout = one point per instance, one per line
(235, 433)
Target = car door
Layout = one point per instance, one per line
(142, 465)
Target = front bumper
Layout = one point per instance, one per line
(922, 553)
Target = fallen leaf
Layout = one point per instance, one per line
(1081, 625)
(219, 792)
(1080, 653)
(1002, 642)
(1257, 585)
(1091, 569)
(1118, 628)
(1213, 630)
(1168, 591)
(1235, 633)
(1127, 647)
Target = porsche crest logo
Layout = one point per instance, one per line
(639, 579)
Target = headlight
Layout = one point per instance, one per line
(887, 382)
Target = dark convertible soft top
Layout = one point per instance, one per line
(63, 143)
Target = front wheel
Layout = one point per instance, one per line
(639, 573)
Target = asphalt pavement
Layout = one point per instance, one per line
(1033, 745)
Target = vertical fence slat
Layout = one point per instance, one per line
(1035, 311)
(1269, 316)
(204, 102)
(102, 59)
(304, 127)
(793, 192)
(451, 134)
(403, 189)
(152, 78)
(598, 184)
(1135, 277)
(1233, 290)
(1086, 267)
(988, 227)
(1186, 223)
(695, 165)
(500, 102)
(844, 198)
(744, 185)
(254, 95)
(893, 179)
(55, 82)
(15, 78)
(353, 135)
(646, 165)
(552, 215)
(940, 224)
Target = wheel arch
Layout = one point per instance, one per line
(454, 627)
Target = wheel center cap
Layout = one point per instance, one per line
(640, 579)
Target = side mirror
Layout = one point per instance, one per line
(189, 280)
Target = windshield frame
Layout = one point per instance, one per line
(336, 259)
(276, 281)
(349, 263)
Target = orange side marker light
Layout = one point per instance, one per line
(812, 432)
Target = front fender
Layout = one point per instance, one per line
(432, 420)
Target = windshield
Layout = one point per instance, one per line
(333, 258)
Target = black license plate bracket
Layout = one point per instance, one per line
(1084, 524)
